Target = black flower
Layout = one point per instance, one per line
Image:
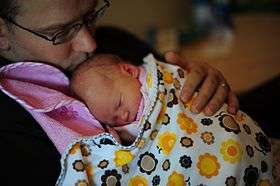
(166, 119)
(263, 142)
(186, 142)
(251, 176)
(250, 151)
(125, 169)
(264, 166)
(103, 164)
(107, 141)
(78, 165)
(185, 161)
(160, 75)
(173, 98)
(206, 121)
(147, 163)
(81, 182)
(231, 181)
(166, 165)
(229, 123)
(156, 180)
(111, 177)
(147, 126)
(153, 134)
(247, 129)
(181, 73)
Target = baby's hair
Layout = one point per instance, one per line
(101, 65)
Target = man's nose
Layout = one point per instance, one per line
(84, 41)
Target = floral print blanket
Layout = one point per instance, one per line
(174, 146)
(275, 143)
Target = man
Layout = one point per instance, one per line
(60, 32)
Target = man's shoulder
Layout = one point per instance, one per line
(25, 146)
(12, 113)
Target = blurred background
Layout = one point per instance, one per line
(239, 37)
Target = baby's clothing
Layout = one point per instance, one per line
(174, 146)
(43, 91)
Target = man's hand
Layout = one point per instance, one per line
(213, 88)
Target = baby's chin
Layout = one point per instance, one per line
(121, 124)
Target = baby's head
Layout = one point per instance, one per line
(109, 87)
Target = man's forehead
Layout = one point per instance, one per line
(51, 12)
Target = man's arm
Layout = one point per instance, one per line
(27, 155)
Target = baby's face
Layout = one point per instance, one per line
(121, 103)
(113, 101)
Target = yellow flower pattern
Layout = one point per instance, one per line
(167, 77)
(187, 124)
(265, 182)
(138, 181)
(149, 80)
(161, 115)
(208, 165)
(176, 179)
(166, 142)
(231, 151)
(122, 157)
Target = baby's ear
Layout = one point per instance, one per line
(130, 69)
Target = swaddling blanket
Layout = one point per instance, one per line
(175, 146)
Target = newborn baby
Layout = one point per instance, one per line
(170, 145)
(111, 90)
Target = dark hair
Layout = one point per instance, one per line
(9, 8)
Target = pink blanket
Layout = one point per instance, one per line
(43, 91)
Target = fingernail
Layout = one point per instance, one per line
(232, 110)
(208, 112)
(194, 109)
(184, 97)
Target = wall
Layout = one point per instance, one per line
(253, 55)
(138, 15)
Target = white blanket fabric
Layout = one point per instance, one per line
(175, 146)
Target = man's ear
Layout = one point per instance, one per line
(4, 39)
(130, 69)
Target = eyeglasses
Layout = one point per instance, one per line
(70, 31)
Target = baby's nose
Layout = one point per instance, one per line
(124, 116)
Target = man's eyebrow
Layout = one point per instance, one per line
(54, 27)
(60, 26)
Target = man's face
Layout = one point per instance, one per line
(49, 16)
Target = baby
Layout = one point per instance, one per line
(111, 90)
(170, 145)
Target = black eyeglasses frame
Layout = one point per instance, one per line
(94, 16)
